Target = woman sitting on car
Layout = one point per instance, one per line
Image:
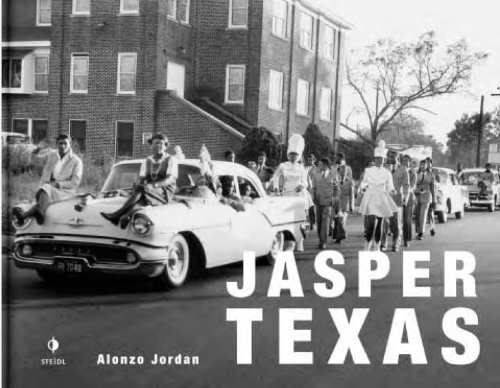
(157, 181)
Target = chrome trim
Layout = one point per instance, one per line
(120, 267)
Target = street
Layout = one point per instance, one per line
(125, 318)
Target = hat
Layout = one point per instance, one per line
(296, 144)
(159, 136)
(380, 150)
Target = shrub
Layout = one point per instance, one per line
(261, 139)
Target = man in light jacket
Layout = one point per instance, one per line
(61, 176)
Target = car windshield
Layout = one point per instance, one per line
(472, 177)
(441, 176)
(123, 176)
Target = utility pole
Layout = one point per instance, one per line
(480, 133)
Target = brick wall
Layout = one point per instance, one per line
(218, 46)
(190, 129)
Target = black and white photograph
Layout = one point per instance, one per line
(250, 193)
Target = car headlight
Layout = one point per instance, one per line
(141, 224)
(26, 250)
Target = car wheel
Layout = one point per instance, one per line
(442, 217)
(491, 207)
(276, 247)
(459, 215)
(177, 264)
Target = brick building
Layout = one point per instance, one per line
(105, 71)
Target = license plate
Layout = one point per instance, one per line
(70, 266)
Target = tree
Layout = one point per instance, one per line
(316, 143)
(390, 78)
(406, 129)
(462, 141)
(261, 139)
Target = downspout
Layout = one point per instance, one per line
(61, 67)
(315, 77)
(289, 94)
(336, 116)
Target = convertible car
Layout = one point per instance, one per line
(167, 242)
(483, 192)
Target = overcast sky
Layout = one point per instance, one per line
(476, 20)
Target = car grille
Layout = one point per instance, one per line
(94, 253)
(477, 196)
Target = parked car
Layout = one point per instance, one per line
(451, 196)
(482, 193)
(166, 242)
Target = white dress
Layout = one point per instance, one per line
(377, 200)
(289, 176)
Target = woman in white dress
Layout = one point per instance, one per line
(377, 202)
(290, 177)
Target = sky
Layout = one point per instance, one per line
(478, 21)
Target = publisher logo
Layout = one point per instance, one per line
(52, 345)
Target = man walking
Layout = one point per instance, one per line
(323, 183)
(401, 183)
(410, 202)
(344, 174)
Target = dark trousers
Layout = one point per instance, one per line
(407, 221)
(373, 228)
(312, 215)
(323, 218)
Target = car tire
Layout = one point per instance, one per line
(177, 265)
(491, 207)
(276, 247)
(442, 217)
(459, 215)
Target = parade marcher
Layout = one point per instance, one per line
(430, 213)
(61, 176)
(401, 182)
(323, 183)
(345, 194)
(377, 202)
(311, 170)
(425, 193)
(290, 177)
(157, 182)
(264, 172)
(410, 202)
(229, 156)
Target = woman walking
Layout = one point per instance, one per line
(377, 202)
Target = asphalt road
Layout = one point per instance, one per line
(125, 318)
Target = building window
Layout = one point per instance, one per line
(306, 31)
(11, 72)
(78, 133)
(235, 84)
(124, 139)
(21, 126)
(176, 74)
(280, 18)
(39, 130)
(43, 12)
(41, 73)
(129, 6)
(326, 104)
(329, 44)
(127, 64)
(79, 73)
(275, 90)
(302, 97)
(238, 13)
(183, 11)
(172, 8)
(81, 7)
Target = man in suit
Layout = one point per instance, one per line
(410, 202)
(426, 197)
(323, 184)
(401, 183)
(264, 172)
(344, 173)
(61, 176)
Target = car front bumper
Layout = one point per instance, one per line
(150, 260)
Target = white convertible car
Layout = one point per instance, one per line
(166, 242)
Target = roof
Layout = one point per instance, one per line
(327, 14)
